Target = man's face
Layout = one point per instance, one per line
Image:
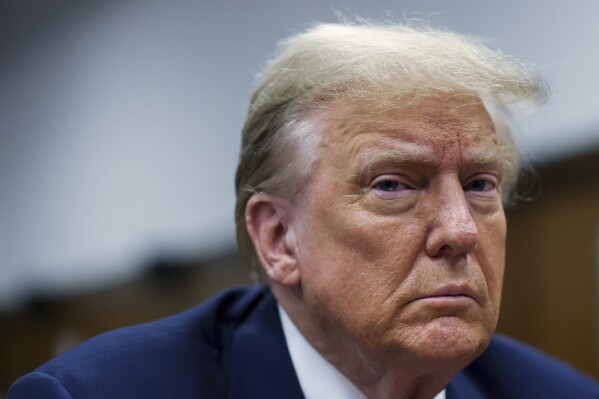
(401, 233)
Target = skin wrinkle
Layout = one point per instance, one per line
(363, 265)
(359, 115)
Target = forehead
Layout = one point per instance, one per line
(427, 128)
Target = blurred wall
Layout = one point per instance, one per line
(551, 289)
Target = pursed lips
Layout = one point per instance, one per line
(451, 291)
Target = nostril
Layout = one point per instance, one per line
(444, 249)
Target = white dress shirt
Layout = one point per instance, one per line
(317, 377)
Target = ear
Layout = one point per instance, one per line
(268, 221)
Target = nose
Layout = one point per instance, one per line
(452, 231)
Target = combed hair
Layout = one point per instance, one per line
(388, 65)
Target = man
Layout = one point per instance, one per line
(370, 197)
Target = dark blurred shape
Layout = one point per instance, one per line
(169, 274)
(529, 185)
(41, 309)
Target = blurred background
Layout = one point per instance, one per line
(119, 135)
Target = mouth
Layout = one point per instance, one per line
(451, 293)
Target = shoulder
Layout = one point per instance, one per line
(509, 368)
(172, 357)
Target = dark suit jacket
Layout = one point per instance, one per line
(232, 346)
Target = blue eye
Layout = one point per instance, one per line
(387, 185)
(479, 185)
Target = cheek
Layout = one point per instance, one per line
(354, 260)
(361, 243)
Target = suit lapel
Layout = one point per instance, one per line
(259, 363)
(462, 387)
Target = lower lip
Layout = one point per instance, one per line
(448, 300)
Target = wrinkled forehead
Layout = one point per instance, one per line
(436, 122)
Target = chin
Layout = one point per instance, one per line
(451, 339)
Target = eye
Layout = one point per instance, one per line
(389, 185)
(483, 186)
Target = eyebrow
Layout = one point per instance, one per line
(408, 154)
(496, 155)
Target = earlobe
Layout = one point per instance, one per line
(268, 218)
